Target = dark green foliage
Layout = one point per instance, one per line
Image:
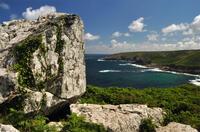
(59, 48)
(24, 53)
(78, 124)
(27, 123)
(147, 126)
(182, 103)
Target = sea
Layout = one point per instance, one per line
(106, 73)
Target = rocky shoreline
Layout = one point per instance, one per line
(171, 68)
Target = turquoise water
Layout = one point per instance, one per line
(124, 74)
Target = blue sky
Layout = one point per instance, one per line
(113, 26)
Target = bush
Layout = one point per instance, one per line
(147, 126)
(78, 124)
(25, 123)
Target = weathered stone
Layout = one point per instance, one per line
(7, 128)
(176, 127)
(58, 125)
(118, 118)
(56, 65)
(45, 102)
(8, 84)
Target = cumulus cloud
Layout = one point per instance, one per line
(195, 26)
(127, 35)
(153, 36)
(174, 28)
(137, 25)
(116, 47)
(13, 16)
(116, 34)
(34, 14)
(4, 6)
(89, 36)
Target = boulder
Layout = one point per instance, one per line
(118, 118)
(45, 56)
(7, 128)
(176, 127)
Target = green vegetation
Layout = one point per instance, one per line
(59, 48)
(78, 124)
(184, 58)
(38, 123)
(28, 123)
(147, 126)
(181, 103)
(23, 53)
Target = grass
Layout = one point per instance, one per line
(186, 58)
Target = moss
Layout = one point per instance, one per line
(23, 53)
(59, 48)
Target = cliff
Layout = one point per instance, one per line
(187, 61)
(42, 62)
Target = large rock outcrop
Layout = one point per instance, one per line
(176, 127)
(118, 118)
(44, 59)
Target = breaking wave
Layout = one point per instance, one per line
(110, 71)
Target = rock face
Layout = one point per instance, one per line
(8, 84)
(118, 118)
(176, 127)
(7, 128)
(43, 58)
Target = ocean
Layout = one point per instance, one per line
(125, 74)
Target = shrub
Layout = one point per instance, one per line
(147, 126)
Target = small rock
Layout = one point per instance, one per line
(7, 128)
(58, 125)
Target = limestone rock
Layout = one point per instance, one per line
(7, 128)
(45, 102)
(58, 125)
(46, 55)
(176, 127)
(8, 84)
(118, 118)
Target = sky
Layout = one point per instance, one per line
(113, 26)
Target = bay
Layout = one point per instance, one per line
(125, 74)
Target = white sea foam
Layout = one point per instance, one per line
(101, 59)
(196, 81)
(109, 71)
(126, 64)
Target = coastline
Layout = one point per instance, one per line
(164, 69)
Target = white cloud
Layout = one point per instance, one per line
(4, 6)
(13, 16)
(153, 36)
(163, 39)
(174, 28)
(137, 25)
(116, 47)
(195, 26)
(127, 35)
(116, 34)
(34, 14)
(89, 36)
